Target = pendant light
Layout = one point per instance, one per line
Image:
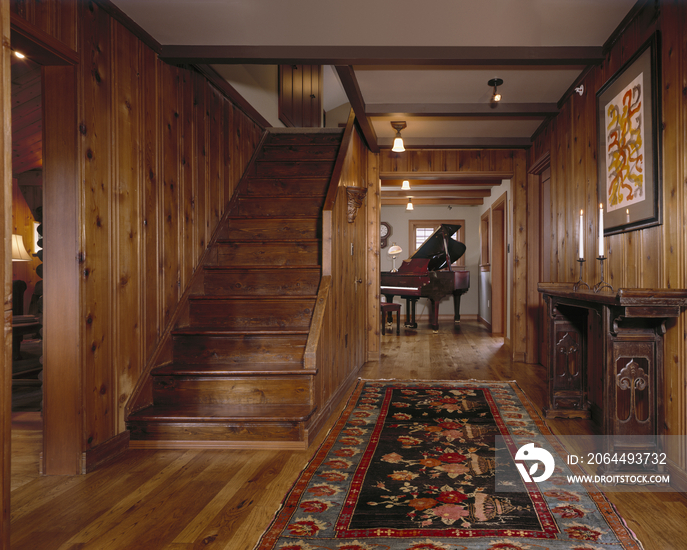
(398, 140)
(410, 204)
(406, 185)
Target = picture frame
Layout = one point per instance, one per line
(628, 111)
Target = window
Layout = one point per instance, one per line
(420, 230)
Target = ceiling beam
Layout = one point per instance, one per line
(460, 143)
(417, 201)
(481, 176)
(355, 97)
(554, 56)
(519, 110)
(434, 193)
(396, 183)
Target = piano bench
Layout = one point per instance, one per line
(388, 309)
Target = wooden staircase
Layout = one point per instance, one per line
(236, 377)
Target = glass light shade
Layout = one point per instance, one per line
(410, 205)
(19, 253)
(394, 250)
(406, 185)
(496, 97)
(398, 144)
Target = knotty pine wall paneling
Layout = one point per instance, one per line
(128, 187)
(649, 258)
(54, 17)
(96, 84)
(153, 153)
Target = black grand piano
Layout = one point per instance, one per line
(427, 274)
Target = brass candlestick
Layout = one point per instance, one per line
(598, 287)
(580, 283)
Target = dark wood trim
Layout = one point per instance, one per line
(106, 451)
(520, 110)
(554, 56)
(483, 177)
(131, 25)
(62, 374)
(394, 183)
(541, 164)
(434, 193)
(417, 200)
(460, 143)
(355, 97)
(38, 45)
(230, 92)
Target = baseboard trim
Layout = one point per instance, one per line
(482, 321)
(106, 451)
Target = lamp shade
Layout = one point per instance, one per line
(409, 206)
(394, 250)
(405, 186)
(398, 144)
(19, 253)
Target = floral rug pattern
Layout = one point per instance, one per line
(410, 466)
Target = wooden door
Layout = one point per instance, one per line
(300, 95)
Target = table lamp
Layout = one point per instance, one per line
(19, 253)
(394, 250)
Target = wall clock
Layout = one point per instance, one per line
(384, 233)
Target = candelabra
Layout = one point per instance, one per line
(598, 287)
(580, 283)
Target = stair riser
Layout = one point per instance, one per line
(305, 253)
(171, 390)
(293, 169)
(247, 314)
(287, 186)
(324, 138)
(239, 432)
(200, 349)
(292, 153)
(272, 229)
(280, 207)
(291, 282)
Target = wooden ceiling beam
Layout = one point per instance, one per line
(433, 201)
(553, 56)
(355, 97)
(396, 184)
(460, 143)
(436, 193)
(450, 110)
(464, 175)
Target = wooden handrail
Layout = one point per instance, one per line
(317, 324)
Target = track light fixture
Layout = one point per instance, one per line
(398, 140)
(495, 83)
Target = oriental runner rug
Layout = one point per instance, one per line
(411, 466)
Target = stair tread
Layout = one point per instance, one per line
(215, 331)
(231, 369)
(310, 267)
(253, 298)
(210, 412)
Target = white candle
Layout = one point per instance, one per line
(627, 215)
(580, 254)
(601, 230)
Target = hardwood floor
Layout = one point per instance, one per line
(182, 500)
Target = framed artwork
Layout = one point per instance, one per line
(629, 142)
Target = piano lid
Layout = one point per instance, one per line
(433, 248)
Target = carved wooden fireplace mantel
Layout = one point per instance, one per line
(605, 355)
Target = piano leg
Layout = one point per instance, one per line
(434, 315)
(456, 305)
(410, 313)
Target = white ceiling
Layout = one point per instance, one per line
(406, 59)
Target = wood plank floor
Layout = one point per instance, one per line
(182, 500)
